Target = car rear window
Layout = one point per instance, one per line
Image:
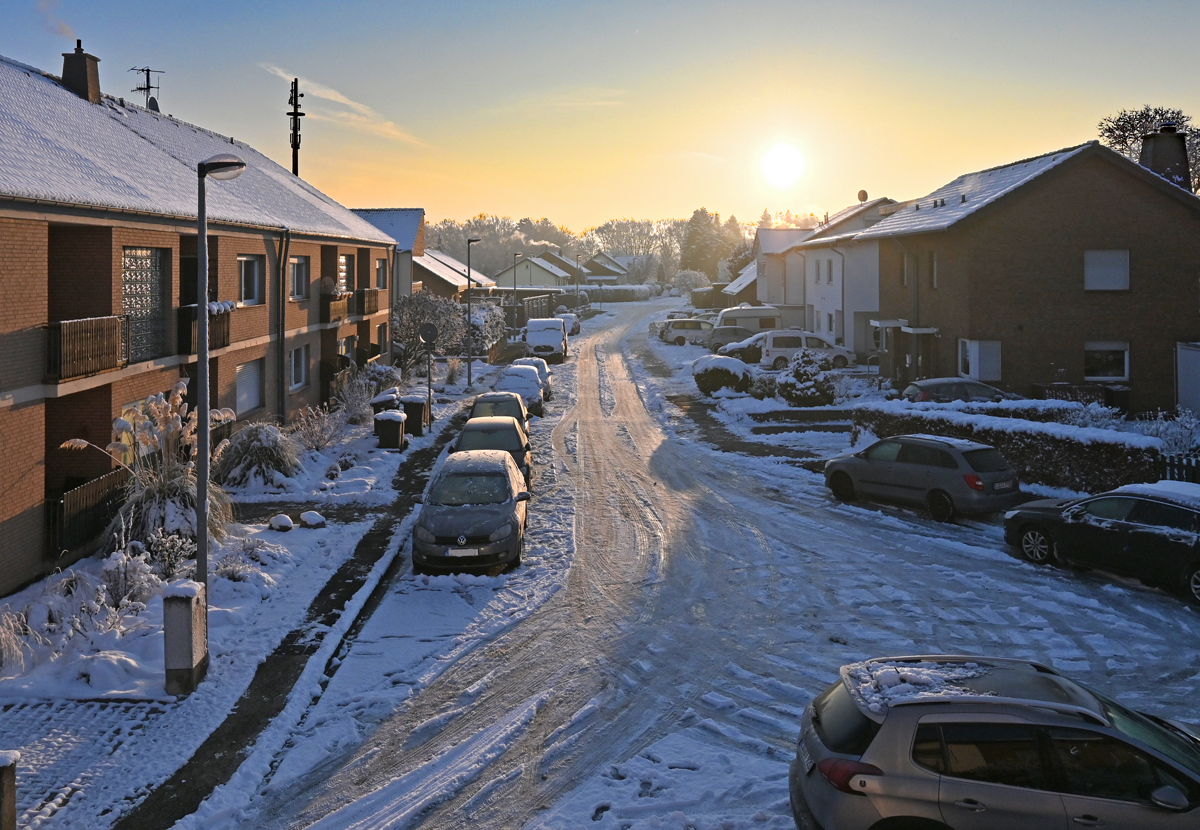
(986, 461)
(490, 439)
(840, 724)
(485, 408)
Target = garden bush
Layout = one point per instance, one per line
(715, 372)
(259, 455)
(317, 428)
(763, 386)
(807, 381)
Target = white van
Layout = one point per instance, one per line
(778, 347)
(754, 317)
(546, 337)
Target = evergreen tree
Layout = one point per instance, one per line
(765, 221)
(699, 249)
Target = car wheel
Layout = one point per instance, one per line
(1036, 546)
(516, 563)
(840, 362)
(679, 341)
(941, 506)
(417, 569)
(1191, 583)
(842, 487)
(780, 363)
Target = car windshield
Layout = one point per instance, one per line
(986, 461)
(1179, 747)
(483, 409)
(458, 489)
(490, 439)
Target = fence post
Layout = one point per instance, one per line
(185, 636)
(8, 789)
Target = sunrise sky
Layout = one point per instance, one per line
(586, 111)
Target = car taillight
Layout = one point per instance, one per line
(974, 482)
(922, 396)
(840, 773)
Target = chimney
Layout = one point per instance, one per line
(1165, 153)
(81, 74)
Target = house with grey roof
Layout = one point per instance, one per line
(442, 274)
(407, 227)
(532, 271)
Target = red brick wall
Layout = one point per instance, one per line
(87, 415)
(22, 483)
(83, 279)
(225, 372)
(306, 312)
(23, 303)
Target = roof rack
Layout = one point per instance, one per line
(965, 658)
(1064, 708)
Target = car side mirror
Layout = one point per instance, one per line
(528, 447)
(418, 499)
(1072, 513)
(523, 496)
(1169, 798)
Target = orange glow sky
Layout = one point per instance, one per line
(583, 112)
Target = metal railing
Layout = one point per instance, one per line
(76, 348)
(82, 514)
(219, 326)
(335, 307)
(367, 300)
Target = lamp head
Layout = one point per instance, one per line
(222, 167)
(473, 240)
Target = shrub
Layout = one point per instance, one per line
(354, 390)
(1178, 432)
(258, 454)
(453, 367)
(807, 381)
(166, 553)
(14, 644)
(763, 386)
(714, 372)
(128, 578)
(316, 429)
(619, 293)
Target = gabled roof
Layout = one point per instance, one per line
(612, 262)
(627, 262)
(562, 263)
(450, 270)
(401, 224)
(553, 269)
(745, 278)
(844, 215)
(778, 240)
(57, 148)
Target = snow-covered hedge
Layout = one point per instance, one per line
(619, 293)
(260, 456)
(1057, 455)
(714, 372)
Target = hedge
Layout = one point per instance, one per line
(619, 293)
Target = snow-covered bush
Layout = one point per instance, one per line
(685, 281)
(453, 367)
(258, 454)
(807, 381)
(166, 553)
(714, 372)
(415, 310)
(619, 293)
(317, 428)
(14, 644)
(763, 386)
(245, 564)
(353, 396)
(488, 326)
(71, 604)
(128, 577)
(1179, 432)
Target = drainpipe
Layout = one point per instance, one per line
(285, 244)
(915, 322)
(843, 301)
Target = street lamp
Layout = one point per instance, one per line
(221, 167)
(578, 278)
(470, 242)
(516, 254)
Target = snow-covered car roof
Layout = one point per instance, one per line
(524, 371)
(476, 461)
(1182, 493)
(535, 363)
(490, 422)
(960, 444)
(488, 397)
(513, 383)
(543, 323)
(749, 341)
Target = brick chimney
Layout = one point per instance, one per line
(1165, 153)
(81, 74)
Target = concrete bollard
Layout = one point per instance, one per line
(8, 789)
(185, 636)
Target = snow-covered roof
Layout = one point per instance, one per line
(778, 240)
(829, 241)
(967, 194)
(562, 262)
(58, 148)
(450, 270)
(613, 261)
(401, 224)
(476, 461)
(627, 262)
(846, 214)
(1183, 493)
(745, 279)
(551, 267)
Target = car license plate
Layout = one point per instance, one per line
(1002, 485)
(462, 551)
(805, 757)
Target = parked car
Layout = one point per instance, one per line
(753, 317)
(498, 432)
(526, 384)
(546, 337)
(779, 347)
(508, 404)
(681, 314)
(941, 742)
(680, 332)
(942, 390)
(724, 335)
(747, 351)
(572, 321)
(543, 374)
(473, 515)
(948, 475)
(1147, 531)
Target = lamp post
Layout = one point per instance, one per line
(578, 277)
(470, 242)
(516, 255)
(221, 167)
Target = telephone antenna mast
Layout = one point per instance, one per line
(148, 86)
(296, 115)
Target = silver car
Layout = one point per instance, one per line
(948, 475)
(965, 743)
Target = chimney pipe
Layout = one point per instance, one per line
(81, 74)
(1165, 153)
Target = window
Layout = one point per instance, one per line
(250, 280)
(766, 322)
(299, 363)
(964, 358)
(249, 386)
(979, 359)
(933, 268)
(883, 451)
(785, 343)
(1114, 508)
(298, 276)
(828, 271)
(816, 271)
(381, 273)
(345, 272)
(347, 345)
(927, 748)
(996, 753)
(1099, 766)
(1105, 361)
(839, 723)
(829, 323)
(1163, 515)
(926, 456)
(384, 341)
(1106, 270)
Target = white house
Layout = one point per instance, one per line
(532, 271)
(780, 272)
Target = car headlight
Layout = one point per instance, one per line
(502, 532)
(424, 535)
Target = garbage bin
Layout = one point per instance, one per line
(416, 407)
(389, 426)
(384, 401)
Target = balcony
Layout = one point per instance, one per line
(79, 516)
(78, 348)
(218, 329)
(367, 300)
(368, 355)
(335, 307)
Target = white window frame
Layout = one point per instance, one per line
(1106, 346)
(256, 297)
(381, 272)
(829, 272)
(1106, 270)
(249, 380)
(982, 360)
(301, 354)
(299, 276)
(345, 272)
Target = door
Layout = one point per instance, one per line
(1097, 532)
(1187, 376)
(916, 471)
(145, 277)
(995, 779)
(1163, 541)
(874, 475)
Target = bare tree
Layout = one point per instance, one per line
(1124, 131)
(414, 311)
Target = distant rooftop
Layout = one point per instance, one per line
(401, 224)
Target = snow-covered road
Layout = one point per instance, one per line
(680, 606)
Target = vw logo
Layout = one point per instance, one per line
(462, 540)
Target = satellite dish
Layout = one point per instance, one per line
(862, 195)
(152, 104)
(427, 334)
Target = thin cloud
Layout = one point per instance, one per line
(53, 23)
(359, 117)
(588, 98)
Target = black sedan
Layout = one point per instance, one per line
(747, 351)
(1147, 531)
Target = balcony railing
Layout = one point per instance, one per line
(77, 348)
(82, 514)
(335, 307)
(218, 329)
(367, 300)
(367, 355)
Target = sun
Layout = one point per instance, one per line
(782, 166)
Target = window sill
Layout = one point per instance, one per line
(292, 390)
(298, 299)
(1106, 380)
(245, 304)
(249, 413)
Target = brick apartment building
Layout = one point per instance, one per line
(1078, 266)
(98, 288)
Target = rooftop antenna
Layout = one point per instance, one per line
(148, 86)
(296, 115)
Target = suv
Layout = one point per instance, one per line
(940, 742)
(779, 347)
(680, 332)
(947, 475)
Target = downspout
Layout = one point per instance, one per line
(843, 300)
(285, 245)
(915, 322)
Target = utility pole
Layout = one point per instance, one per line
(296, 115)
(147, 86)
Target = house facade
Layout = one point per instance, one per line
(780, 271)
(407, 227)
(98, 263)
(532, 271)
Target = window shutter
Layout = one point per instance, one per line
(989, 360)
(249, 386)
(1106, 270)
